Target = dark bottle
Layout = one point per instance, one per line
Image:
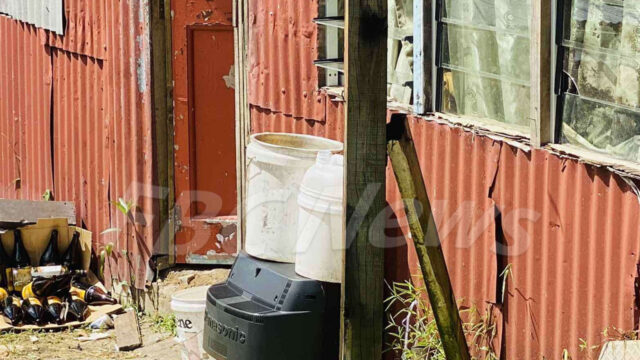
(92, 295)
(5, 266)
(33, 311)
(44, 287)
(13, 310)
(53, 310)
(21, 272)
(20, 255)
(50, 255)
(78, 309)
(72, 258)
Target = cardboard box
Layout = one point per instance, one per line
(36, 238)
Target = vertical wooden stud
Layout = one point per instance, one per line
(541, 56)
(366, 157)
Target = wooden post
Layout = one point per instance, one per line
(163, 119)
(542, 55)
(406, 168)
(365, 155)
(241, 40)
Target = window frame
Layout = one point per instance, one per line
(547, 83)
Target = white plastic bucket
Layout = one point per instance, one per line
(189, 307)
(276, 164)
(320, 248)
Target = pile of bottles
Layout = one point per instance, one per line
(55, 291)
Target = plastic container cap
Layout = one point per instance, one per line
(322, 188)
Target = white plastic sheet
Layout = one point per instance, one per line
(46, 14)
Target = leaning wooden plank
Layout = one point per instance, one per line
(404, 160)
(22, 212)
(365, 154)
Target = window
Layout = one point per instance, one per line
(483, 60)
(599, 103)
(330, 62)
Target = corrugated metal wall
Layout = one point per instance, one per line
(282, 49)
(567, 230)
(75, 118)
(25, 102)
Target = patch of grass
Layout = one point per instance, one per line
(164, 323)
(413, 331)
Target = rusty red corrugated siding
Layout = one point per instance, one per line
(264, 120)
(283, 46)
(81, 135)
(131, 157)
(85, 31)
(98, 76)
(25, 97)
(579, 226)
(567, 230)
(570, 232)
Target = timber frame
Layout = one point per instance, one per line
(162, 75)
(161, 38)
(365, 178)
(545, 102)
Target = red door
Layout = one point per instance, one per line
(205, 147)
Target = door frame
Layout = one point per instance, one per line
(243, 110)
(168, 219)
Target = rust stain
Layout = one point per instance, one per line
(567, 230)
(282, 77)
(25, 102)
(76, 110)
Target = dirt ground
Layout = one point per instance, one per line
(64, 345)
(158, 341)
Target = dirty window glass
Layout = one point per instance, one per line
(601, 70)
(484, 61)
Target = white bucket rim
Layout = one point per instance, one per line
(331, 145)
(191, 297)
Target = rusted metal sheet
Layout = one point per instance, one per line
(81, 137)
(101, 138)
(25, 97)
(573, 243)
(128, 73)
(459, 171)
(205, 161)
(85, 28)
(567, 232)
(282, 76)
(264, 120)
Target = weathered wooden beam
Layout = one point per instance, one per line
(365, 155)
(541, 57)
(15, 213)
(404, 160)
(241, 38)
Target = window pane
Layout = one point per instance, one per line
(478, 96)
(602, 127)
(485, 59)
(602, 66)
